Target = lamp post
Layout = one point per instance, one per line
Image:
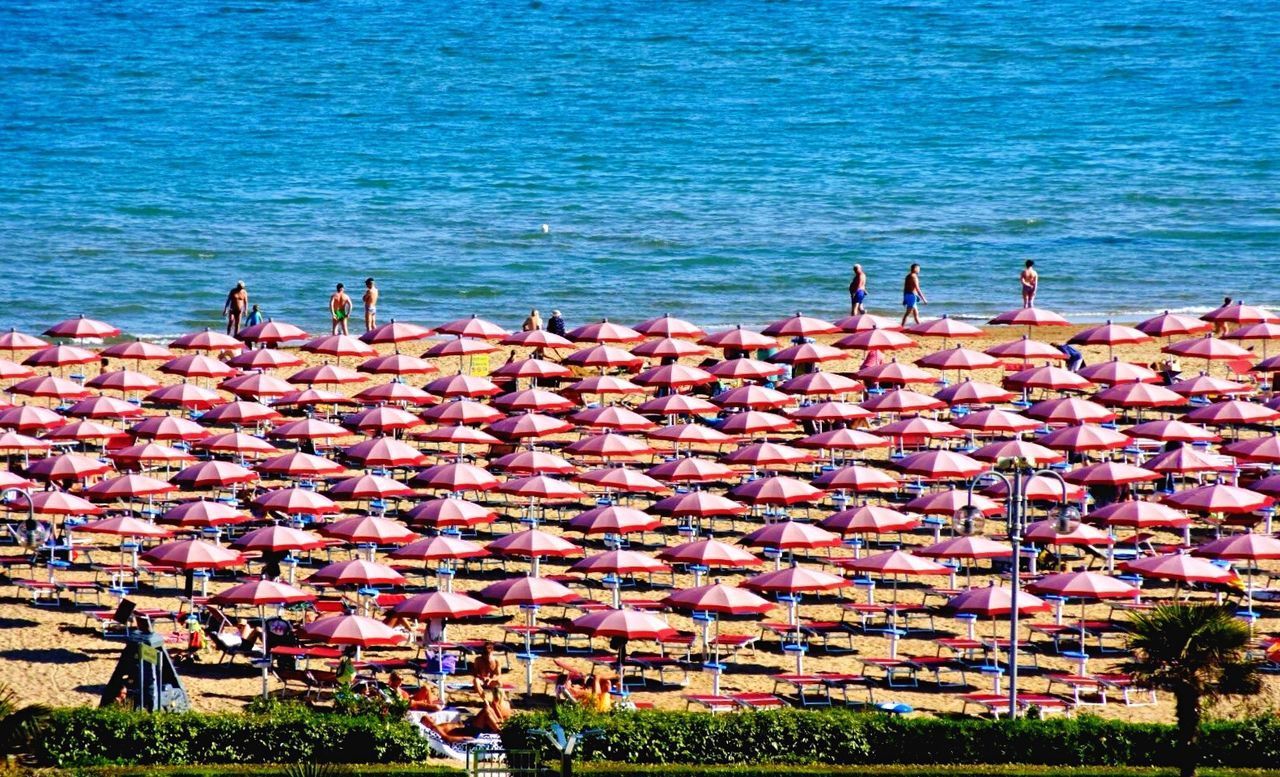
(968, 520)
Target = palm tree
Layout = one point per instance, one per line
(19, 724)
(1196, 653)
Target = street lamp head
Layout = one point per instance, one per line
(967, 520)
(1066, 518)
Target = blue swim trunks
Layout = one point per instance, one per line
(908, 300)
(859, 296)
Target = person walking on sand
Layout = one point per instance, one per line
(857, 291)
(235, 306)
(533, 322)
(912, 296)
(1030, 282)
(370, 305)
(340, 309)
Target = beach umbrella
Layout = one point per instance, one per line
(295, 501)
(894, 563)
(677, 404)
(11, 371)
(902, 401)
(613, 519)
(124, 526)
(66, 467)
(473, 326)
(1085, 586)
(1219, 498)
(622, 480)
(122, 380)
(325, 375)
(312, 397)
(214, 474)
(701, 555)
(947, 502)
(1237, 313)
(1139, 395)
(619, 562)
(669, 348)
(262, 594)
(81, 328)
(799, 325)
(875, 340)
(1082, 438)
(1046, 532)
(13, 442)
(966, 547)
(1110, 335)
(1026, 350)
(738, 339)
(1185, 460)
(358, 572)
(382, 420)
(271, 332)
(202, 513)
(996, 421)
(795, 579)
(777, 490)
(753, 397)
(533, 463)
(1181, 568)
(1233, 412)
(993, 602)
(1110, 473)
(941, 465)
(604, 331)
(1171, 325)
(611, 417)
(238, 443)
(443, 605)
(1139, 515)
(1049, 378)
(396, 364)
(864, 321)
(767, 454)
(533, 544)
(895, 373)
(207, 340)
(52, 502)
(1115, 372)
(384, 452)
(692, 434)
(857, 478)
(99, 407)
(670, 327)
(674, 376)
(1029, 317)
(958, 359)
(753, 422)
(396, 393)
(528, 426)
(717, 600)
(534, 369)
(439, 548)
(537, 339)
(527, 592)
(1204, 385)
(608, 446)
(869, 519)
(808, 353)
(87, 431)
(450, 511)
(240, 413)
(1070, 410)
(339, 346)
(187, 396)
(973, 392)
(535, 400)
(366, 487)
(369, 530)
(14, 341)
(299, 465)
(279, 539)
(1243, 547)
(138, 351)
(396, 332)
(357, 630)
(604, 357)
(456, 435)
(944, 327)
(821, 384)
(791, 535)
(1208, 348)
(1038, 488)
(458, 476)
(702, 504)
(452, 386)
(843, 440)
(189, 555)
(49, 387)
(745, 369)
(691, 469)
(197, 366)
(1260, 450)
(1171, 431)
(264, 359)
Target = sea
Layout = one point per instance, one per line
(726, 161)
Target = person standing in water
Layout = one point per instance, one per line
(235, 306)
(370, 305)
(857, 291)
(1030, 282)
(340, 309)
(912, 296)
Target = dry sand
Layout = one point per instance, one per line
(53, 656)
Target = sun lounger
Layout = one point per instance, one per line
(811, 689)
(1125, 684)
(998, 704)
(711, 702)
(758, 701)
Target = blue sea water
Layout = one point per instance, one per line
(726, 161)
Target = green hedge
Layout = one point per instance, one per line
(86, 736)
(848, 737)
(608, 769)
(250, 770)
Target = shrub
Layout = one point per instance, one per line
(848, 737)
(85, 736)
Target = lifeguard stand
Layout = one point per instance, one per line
(147, 671)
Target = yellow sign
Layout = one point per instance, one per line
(480, 365)
(148, 654)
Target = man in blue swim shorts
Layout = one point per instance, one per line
(912, 296)
(857, 291)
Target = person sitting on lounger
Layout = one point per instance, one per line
(496, 711)
(422, 699)
(594, 693)
(485, 669)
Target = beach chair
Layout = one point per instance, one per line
(1127, 687)
(758, 701)
(711, 702)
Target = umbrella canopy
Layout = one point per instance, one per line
(237, 443)
(947, 502)
(125, 381)
(364, 487)
(1171, 325)
(1116, 371)
(791, 535)
(193, 554)
(1030, 317)
(1070, 410)
(697, 503)
(1140, 395)
(799, 325)
(295, 501)
(994, 601)
(626, 624)
(541, 487)
(443, 605)
(958, 359)
(1046, 532)
(300, 465)
(609, 446)
(1167, 430)
(81, 328)
(450, 511)
(208, 340)
(197, 366)
(876, 340)
(382, 420)
(738, 339)
(966, 547)
(261, 593)
(1209, 348)
(857, 478)
(355, 630)
(1233, 412)
(944, 327)
(1219, 498)
(1083, 585)
(720, 599)
(1247, 547)
(1049, 378)
(1259, 450)
(1085, 437)
(454, 477)
(895, 562)
(795, 579)
(384, 452)
(1184, 569)
(278, 539)
(202, 513)
(54, 503)
(67, 466)
(605, 331)
(187, 396)
(439, 548)
(396, 332)
(843, 440)
(1139, 515)
(356, 572)
(1109, 334)
(1026, 350)
(528, 426)
(777, 490)
(1185, 460)
(532, 543)
(669, 348)
(124, 526)
(1110, 473)
(821, 383)
(902, 401)
(669, 326)
(869, 519)
(169, 428)
(941, 465)
(452, 386)
(271, 332)
(264, 359)
(240, 414)
(750, 422)
(104, 408)
(60, 356)
(527, 591)
(973, 392)
(214, 474)
(369, 529)
(710, 553)
(620, 562)
(745, 369)
(397, 393)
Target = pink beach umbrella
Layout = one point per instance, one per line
(358, 630)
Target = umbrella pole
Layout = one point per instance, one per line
(266, 649)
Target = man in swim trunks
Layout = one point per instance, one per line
(235, 306)
(370, 305)
(1030, 282)
(857, 291)
(912, 296)
(340, 309)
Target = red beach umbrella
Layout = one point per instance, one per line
(691, 469)
(669, 326)
(451, 386)
(261, 593)
(745, 369)
(1185, 460)
(458, 476)
(124, 526)
(300, 465)
(751, 422)
(439, 548)
(396, 393)
(396, 364)
(202, 513)
(821, 384)
(1050, 378)
(795, 579)
(237, 443)
(369, 529)
(1029, 317)
(777, 490)
(208, 340)
(902, 401)
(214, 474)
(450, 511)
(1233, 412)
(697, 503)
(710, 553)
(869, 519)
(973, 392)
(55, 503)
(197, 366)
(941, 465)
(81, 328)
(355, 630)
(1085, 437)
(271, 332)
(49, 387)
(356, 572)
(1185, 569)
(1219, 498)
(1140, 395)
(187, 396)
(138, 351)
(613, 519)
(1115, 371)
(527, 591)
(720, 599)
(325, 375)
(620, 562)
(605, 357)
(674, 376)
(1171, 431)
(67, 466)
(612, 417)
(338, 345)
(443, 605)
(295, 501)
(363, 487)
(625, 624)
(947, 502)
(1172, 325)
(876, 340)
(396, 332)
(474, 326)
(240, 413)
(605, 332)
(738, 339)
(790, 535)
(669, 348)
(193, 554)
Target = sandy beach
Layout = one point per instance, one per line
(56, 655)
